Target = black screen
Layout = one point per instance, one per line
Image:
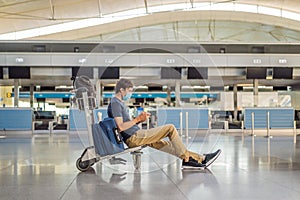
(171, 72)
(108, 88)
(66, 100)
(282, 73)
(44, 114)
(86, 71)
(197, 73)
(1, 72)
(155, 88)
(108, 72)
(41, 100)
(139, 100)
(256, 73)
(280, 88)
(216, 88)
(19, 72)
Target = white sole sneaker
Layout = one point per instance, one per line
(213, 159)
(192, 168)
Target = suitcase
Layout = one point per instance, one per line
(107, 140)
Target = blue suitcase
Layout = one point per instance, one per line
(107, 140)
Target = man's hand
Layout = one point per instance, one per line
(142, 117)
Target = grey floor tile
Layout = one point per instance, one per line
(43, 167)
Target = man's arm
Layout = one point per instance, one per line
(126, 125)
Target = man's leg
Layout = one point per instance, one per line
(154, 138)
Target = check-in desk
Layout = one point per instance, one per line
(77, 121)
(185, 118)
(16, 120)
(269, 119)
(61, 125)
(43, 121)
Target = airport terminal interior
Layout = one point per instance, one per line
(225, 74)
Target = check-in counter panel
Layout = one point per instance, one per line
(16, 119)
(279, 118)
(194, 118)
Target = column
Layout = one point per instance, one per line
(177, 93)
(235, 113)
(255, 92)
(169, 95)
(31, 95)
(16, 92)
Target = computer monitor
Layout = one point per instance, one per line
(197, 73)
(19, 72)
(108, 72)
(282, 73)
(171, 72)
(256, 73)
(86, 71)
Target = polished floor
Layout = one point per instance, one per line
(43, 167)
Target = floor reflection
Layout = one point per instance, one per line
(138, 185)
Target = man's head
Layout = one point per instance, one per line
(123, 84)
(125, 88)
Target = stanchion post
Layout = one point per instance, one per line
(295, 133)
(268, 125)
(180, 118)
(148, 123)
(242, 127)
(187, 123)
(252, 120)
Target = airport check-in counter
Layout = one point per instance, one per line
(269, 119)
(185, 118)
(16, 119)
(77, 121)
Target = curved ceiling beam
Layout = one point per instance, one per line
(168, 17)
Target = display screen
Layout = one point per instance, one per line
(256, 73)
(86, 71)
(282, 73)
(171, 72)
(197, 73)
(155, 88)
(44, 114)
(66, 100)
(108, 72)
(19, 72)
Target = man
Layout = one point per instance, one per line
(134, 136)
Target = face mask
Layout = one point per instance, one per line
(127, 96)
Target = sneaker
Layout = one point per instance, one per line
(211, 157)
(192, 164)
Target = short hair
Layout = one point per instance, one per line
(123, 83)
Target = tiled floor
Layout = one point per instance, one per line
(43, 167)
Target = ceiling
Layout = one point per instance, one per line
(17, 15)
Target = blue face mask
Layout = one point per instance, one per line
(127, 96)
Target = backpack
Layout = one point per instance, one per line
(83, 84)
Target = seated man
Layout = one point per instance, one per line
(134, 136)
